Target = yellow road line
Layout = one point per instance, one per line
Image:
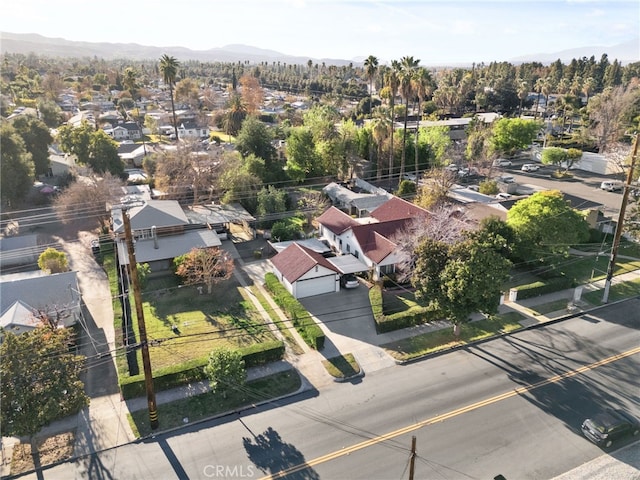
(448, 415)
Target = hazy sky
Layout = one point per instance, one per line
(429, 30)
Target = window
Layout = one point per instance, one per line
(356, 254)
(385, 269)
(348, 248)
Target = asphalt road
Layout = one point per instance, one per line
(511, 406)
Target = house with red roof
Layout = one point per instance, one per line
(305, 273)
(370, 239)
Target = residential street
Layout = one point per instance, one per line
(511, 406)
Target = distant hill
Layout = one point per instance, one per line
(625, 53)
(26, 43)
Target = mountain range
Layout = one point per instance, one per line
(26, 43)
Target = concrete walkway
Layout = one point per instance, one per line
(104, 424)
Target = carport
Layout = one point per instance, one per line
(348, 264)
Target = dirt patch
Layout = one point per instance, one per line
(52, 449)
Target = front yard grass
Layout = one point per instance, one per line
(191, 409)
(342, 366)
(618, 291)
(203, 321)
(183, 325)
(444, 339)
(550, 307)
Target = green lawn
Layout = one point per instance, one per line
(444, 339)
(618, 291)
(191, 409)
(204, 321)
(343, 366)
(550, 307)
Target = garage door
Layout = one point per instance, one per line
(315, 286)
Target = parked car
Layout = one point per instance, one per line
(507, 179)
(452, 168)
(503, 196)
(410, 176)
(502, 162)
(605, 428)
(612, 185)
(530, 167)
(475, 188)
(349, 280)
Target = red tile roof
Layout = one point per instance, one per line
(336, 220)
(295, 260)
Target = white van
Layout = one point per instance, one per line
(611, 185)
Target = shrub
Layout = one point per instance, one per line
(304, 324)
(540, 288)
(193, 370)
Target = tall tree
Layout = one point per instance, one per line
(169, 69)
(37, 139)
(462, 278)
(370, 70)
(392, 81)
(422, 88)
(381, 131)
(407, 71)
(607, 112)
(88, 199)
(16, 166)
(204, 265)
(546, 226)
(40, 380)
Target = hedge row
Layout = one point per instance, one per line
(192, 371)
(540, 288)
(310, 332)
(396, 321)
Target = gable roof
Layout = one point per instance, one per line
(41, 292)
(374, 238)
(397, 208)
(295, 260)
(158, 213)
(336, 220)
(19, 315)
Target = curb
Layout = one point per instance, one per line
(304, 387)
(550, 321)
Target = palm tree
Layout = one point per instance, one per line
(380, 128)
(393, 82)
(422, 88)
(588, 87)
(407, 69)
(523, 92)
(371, 68)
(538, 88)
(169, 69)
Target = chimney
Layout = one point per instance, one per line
(154, 234)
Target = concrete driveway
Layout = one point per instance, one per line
(347, 321)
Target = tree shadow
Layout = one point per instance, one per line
(272, 455)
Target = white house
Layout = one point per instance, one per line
(305, 273)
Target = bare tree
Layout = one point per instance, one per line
(443, 224)
(607, 112)
(87, 198)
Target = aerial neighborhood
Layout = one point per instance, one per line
(170, 223)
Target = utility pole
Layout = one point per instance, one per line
(412, 464)
(146, 361)
(619, 225)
